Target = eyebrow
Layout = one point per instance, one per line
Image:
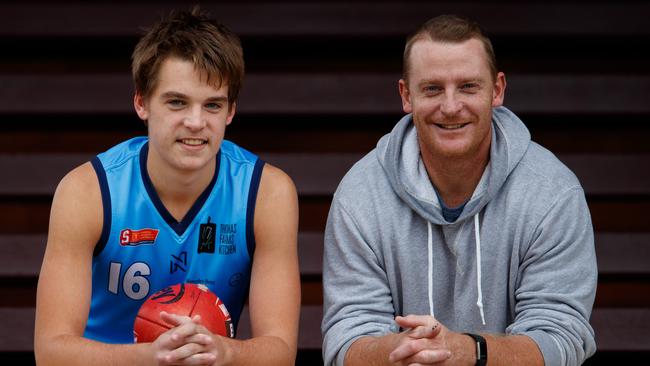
(476, 80)
(172, 94)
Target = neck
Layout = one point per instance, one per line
(178, 190)
(456, 178)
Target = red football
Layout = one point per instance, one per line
(183, 299)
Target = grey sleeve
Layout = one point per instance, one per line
(556, 284)
(357, 300)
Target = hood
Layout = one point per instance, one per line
(399, 155)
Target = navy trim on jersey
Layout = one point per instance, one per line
(178, 227)
(250, 207)
(106, 204)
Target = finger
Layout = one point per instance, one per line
(203, 330)
(186, 351)
(181, 332)
(174, 319)
(428, 356)
(205, 359)
(406, 349)
(423, 332)
(412, 321)
(199, 338)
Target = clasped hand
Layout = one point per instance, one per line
(188, 343)
(423, 343)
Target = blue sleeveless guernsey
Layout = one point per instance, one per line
(143, 249)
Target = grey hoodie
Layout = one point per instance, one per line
(520, 259)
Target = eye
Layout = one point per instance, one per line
(431, 89)
(470, 87)
(176, 103)
(213, 106)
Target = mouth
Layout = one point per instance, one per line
(192, 142)
(455, 126)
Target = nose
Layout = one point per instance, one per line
(450, 105)
(194, 120)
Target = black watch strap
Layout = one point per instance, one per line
(481, 349)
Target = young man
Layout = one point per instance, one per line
(182, 205)
(464, 226)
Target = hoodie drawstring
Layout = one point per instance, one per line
(430, 277)
(477, 237)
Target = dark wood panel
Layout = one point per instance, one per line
(309, 336)
(622, 329)
(326, 94)
(623, 292)
(620, 214)
(327, 18)
(24, 215)
(623, 253)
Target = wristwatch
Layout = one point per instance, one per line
(481, 349)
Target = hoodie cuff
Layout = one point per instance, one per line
(340, 357)
(551, 350)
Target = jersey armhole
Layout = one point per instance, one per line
(106, 204)
(250, 207)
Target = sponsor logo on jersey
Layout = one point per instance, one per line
(227, 234)
(235, 280)
(178, 262)
(207, 234)
(131, 238)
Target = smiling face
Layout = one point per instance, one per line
(451, 92)
(186, 117)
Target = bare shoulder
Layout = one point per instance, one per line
(80, 180)
(276, 208)
(276, 184)
(77, 204)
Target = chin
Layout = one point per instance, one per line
(192, 164)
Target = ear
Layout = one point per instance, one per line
(231, 112)
(406, 96)
(499, 91)
(140, 106)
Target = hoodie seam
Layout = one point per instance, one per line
(560, 198)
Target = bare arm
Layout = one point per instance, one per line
(428, 342)
(65, 282)
(64, 286)
(274, 302)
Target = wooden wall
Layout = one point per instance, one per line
(321, 88)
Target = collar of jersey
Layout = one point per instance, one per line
(179, 227)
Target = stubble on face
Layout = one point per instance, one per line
(450, 94)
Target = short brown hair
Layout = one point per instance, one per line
(192, 36)
(449, 28)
